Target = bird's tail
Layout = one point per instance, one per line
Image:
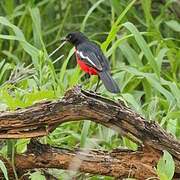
(108, 82)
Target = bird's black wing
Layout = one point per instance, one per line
(103, 60)
(89, 58)
(93, 56)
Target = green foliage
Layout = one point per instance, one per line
(84, 133)
(141, 41)
(37, 175)
(89, 13)
(115, 28)
(174, 25)
(144, 47)
(165, 167)
(4, 170)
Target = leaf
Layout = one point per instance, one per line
(75, 76)
(37, 175)
(31, 50)
(36, 18)
(170, 166)
(174, 25)
(89, 13)
(175, 91)
(130, 54)
(115, 28)
(161, 55)
(12, 56)
(144, 47)
(35, 15)
(121, 40)
(157, 85)
(116, 44)
(10, 37)
(147, 89)
(4, 68)
(116, 4)
(64, 66)
(165, 166)
(128, 143)
(21, 145)
(9, 6)
(84, 133)
(130, 99)
(173, 115)
(33, 97)
(3, 169)
(146, 5)
(171, 127)
(153, 81)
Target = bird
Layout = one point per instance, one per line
(92, 60)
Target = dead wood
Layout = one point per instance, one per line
(78, 104)
(118, 163)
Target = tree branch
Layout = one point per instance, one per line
(78, 104)
(119, 164)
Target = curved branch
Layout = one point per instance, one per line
(78, 104)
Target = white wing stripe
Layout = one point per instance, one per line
(85, 57)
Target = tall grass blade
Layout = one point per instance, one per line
(116, 27)
(144, 47)
(89, 13)
(4, 170)
(31, 50)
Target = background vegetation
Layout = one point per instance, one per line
(140, 38)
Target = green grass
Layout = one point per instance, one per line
(140, 38)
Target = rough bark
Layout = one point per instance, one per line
(118, 163)
(78, 104)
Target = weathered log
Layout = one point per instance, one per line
(118, 163)
(78, 104)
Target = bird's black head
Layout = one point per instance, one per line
(75, 38)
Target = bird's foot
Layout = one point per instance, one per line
(96, 93)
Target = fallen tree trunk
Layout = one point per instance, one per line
(78, 104)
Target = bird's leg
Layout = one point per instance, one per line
(87, 76)
(97, 84)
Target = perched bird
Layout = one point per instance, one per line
(91, 60)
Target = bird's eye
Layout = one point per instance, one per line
(70, 36)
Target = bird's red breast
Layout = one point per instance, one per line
(85, 67)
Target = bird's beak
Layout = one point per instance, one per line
(64, 39)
